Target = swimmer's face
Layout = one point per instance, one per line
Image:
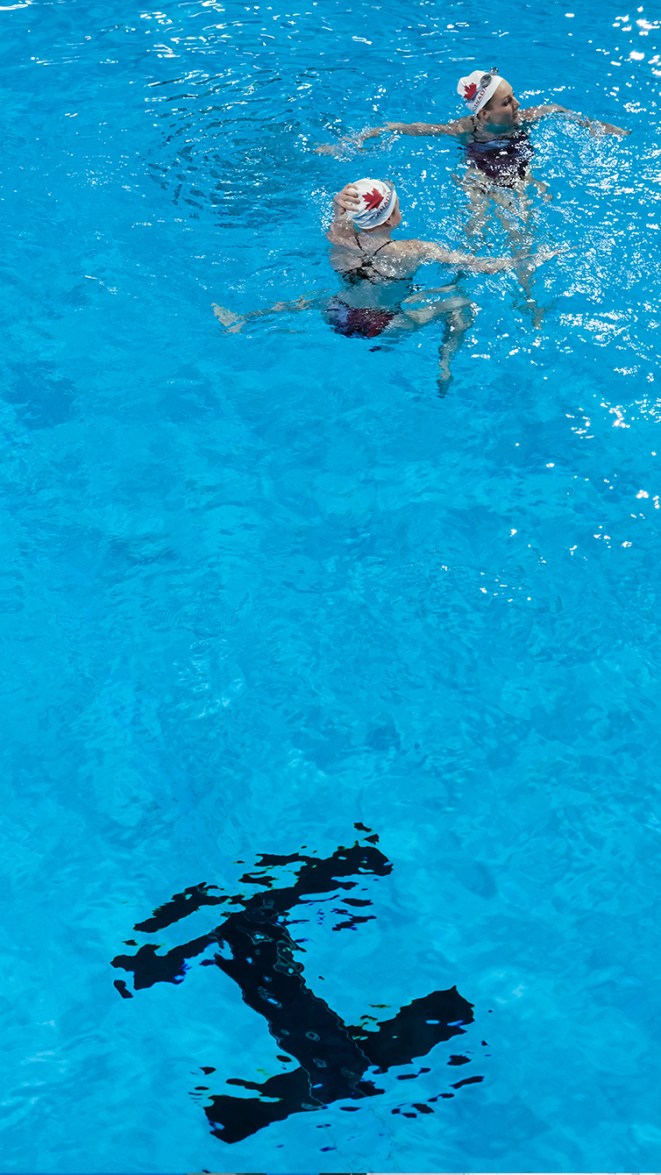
(502, 110)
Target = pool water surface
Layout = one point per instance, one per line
(373, 670)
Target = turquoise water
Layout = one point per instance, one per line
(259, 587)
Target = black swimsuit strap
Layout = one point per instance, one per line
(371, 255)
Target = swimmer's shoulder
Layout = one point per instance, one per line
(404, 257)
(463, 128)
(344, 254)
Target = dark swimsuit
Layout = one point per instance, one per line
(503, 160)
(357, 322)
(361, 322)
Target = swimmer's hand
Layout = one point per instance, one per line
(348, 200)
(232, 322)
(609, 129)
(330, 148)
(354, 140)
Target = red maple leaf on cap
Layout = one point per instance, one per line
(470, 91)
(373, 199)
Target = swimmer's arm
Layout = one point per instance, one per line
(462, 126)
(342, 231)
(425, 252)
(594, 125)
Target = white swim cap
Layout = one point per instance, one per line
(377, 200)
(478, 88)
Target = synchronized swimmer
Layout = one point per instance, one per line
(377, 272)
(498, 153)
(495, 132)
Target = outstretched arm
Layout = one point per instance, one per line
(461, 126)
(594, 125)
(427, 251)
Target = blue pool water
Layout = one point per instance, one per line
(259, 587)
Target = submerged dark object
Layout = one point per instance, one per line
(259, 953)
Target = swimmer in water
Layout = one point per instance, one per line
(498, 153)
(378, 295)
(495, 137)
(495, 113)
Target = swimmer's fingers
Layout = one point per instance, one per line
(329, 149)
(348, 200)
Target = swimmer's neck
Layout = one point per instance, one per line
(484, 133)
